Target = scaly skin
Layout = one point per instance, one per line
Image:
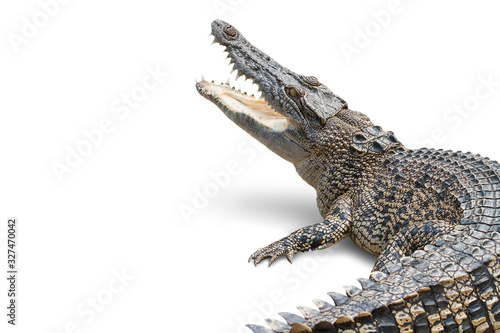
(432, 217)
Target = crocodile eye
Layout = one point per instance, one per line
(293, 92)
(230, 31)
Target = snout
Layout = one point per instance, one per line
(224, 32)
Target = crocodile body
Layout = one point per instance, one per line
(431, 216)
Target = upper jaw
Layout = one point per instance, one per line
(264, 118)
(252, 63)
(273, 80)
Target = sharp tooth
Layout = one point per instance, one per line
(202, 78)
(227, 82)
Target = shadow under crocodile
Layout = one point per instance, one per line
(292, 211)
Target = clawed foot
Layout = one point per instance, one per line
(274, 251)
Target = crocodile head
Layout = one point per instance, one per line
(292, 108)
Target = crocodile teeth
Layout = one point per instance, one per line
(292, 318)
(277, 325)
(240, 74)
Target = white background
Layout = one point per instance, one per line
(119, 209)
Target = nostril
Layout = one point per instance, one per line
(230, 30)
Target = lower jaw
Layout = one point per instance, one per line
(237, 102)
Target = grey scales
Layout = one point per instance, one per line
(432, 217)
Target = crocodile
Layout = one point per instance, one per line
(432, 217)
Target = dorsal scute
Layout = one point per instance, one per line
(373, 140)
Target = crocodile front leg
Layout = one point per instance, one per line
(314, 237)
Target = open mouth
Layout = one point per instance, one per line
(230, 99)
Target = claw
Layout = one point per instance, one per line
(273, 259)
(257, 260)
(273, 252)
(289, 256)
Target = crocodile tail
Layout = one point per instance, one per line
(452, 285)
